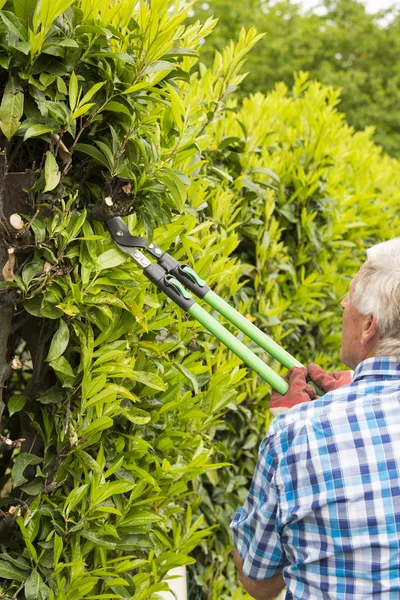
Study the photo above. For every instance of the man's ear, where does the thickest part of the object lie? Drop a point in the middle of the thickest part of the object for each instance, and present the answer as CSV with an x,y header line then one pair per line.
x,y
370,330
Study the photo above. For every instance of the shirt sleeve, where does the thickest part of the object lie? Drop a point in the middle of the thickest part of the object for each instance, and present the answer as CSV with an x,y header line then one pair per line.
x,y
255,525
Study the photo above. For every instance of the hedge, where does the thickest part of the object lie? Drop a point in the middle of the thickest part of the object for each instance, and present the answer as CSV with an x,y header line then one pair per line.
x,y
307,196
130,434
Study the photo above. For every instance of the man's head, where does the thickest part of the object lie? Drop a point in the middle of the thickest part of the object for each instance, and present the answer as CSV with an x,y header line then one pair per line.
x,y
371,317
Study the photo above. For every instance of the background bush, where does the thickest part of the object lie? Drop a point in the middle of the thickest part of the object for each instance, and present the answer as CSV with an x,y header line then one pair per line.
x,y
339,44
307,197
126,407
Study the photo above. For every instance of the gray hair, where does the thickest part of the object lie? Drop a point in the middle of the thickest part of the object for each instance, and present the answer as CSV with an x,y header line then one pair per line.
x,y
376,291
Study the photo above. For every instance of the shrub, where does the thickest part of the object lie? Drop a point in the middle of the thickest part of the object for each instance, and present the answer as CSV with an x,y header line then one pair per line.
x,y
112,390
306,195
117,395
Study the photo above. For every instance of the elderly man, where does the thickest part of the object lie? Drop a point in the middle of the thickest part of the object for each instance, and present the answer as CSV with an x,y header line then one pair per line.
x,y
323,512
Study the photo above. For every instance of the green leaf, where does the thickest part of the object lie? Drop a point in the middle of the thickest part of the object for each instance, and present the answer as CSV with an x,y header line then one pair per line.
x,y
61,365
15,24
178,108
21,462
30,271
97,539
74,497
36,130
9,571
136,87
62,88
94,30
16,403
81,110
23,8
137,416
11,108
59,342
111,258
73,91
58,548
98,425
188,375
150,379
51,172
93,152
53,395
158,66
122,391
176,188
143,518
95,88
58,110
112,489
267,172
118,107
127,58
39,229
17,561
35,588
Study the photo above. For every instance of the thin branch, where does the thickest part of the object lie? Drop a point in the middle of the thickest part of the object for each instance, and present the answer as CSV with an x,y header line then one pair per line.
x,y
15,596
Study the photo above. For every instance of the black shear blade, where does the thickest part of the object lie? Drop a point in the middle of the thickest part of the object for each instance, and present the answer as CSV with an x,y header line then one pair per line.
x,y
120,234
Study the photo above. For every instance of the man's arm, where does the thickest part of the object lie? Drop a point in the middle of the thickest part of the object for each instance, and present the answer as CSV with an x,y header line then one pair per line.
x,y
266,589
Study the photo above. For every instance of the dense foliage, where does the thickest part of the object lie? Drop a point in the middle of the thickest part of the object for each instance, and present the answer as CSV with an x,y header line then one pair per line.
x,y
112,390
306,196
119,408
342,45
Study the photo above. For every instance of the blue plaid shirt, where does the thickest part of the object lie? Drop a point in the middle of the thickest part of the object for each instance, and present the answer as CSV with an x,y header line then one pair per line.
x,y
324,503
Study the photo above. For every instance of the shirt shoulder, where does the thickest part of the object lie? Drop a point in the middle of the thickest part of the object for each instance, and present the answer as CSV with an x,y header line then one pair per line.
x,y
311,410
336,405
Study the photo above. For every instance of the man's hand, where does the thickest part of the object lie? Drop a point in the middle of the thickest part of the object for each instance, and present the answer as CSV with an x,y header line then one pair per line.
x,y
266,589
328,381
299,391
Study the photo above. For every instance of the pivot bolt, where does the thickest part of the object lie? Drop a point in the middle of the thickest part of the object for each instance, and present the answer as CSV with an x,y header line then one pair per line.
x,y
119,233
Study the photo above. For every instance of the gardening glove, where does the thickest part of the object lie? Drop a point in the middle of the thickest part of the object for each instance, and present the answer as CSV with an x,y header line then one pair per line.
x,y
328,381
299,391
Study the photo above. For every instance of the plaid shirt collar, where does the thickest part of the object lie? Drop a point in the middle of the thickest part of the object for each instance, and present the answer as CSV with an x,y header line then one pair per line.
x,y
378,367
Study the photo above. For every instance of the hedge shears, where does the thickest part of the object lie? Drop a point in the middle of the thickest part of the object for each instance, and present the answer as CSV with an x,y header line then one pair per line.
x,y
179,282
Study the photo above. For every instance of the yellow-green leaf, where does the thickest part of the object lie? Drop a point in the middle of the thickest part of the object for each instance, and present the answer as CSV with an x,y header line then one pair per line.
x,y
178,108
73,90
81,110
51,172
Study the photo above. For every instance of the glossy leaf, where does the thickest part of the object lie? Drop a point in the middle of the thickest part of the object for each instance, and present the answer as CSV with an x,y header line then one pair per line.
x,y
59,342
51,172
16,403
11,108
